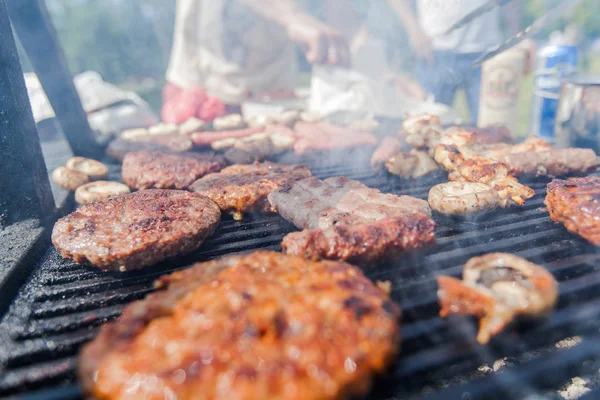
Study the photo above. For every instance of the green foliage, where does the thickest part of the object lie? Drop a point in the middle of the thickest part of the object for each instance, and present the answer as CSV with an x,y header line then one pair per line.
x,y
586,15
122,40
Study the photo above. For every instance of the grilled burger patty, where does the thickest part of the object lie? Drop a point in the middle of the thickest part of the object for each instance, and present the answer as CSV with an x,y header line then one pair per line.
x,y
136,230
258,326
167,170
244,188
118,148
576,203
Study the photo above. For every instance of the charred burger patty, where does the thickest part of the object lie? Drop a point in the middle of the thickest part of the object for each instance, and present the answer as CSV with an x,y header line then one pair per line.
x,y
167,170
136,230
258,326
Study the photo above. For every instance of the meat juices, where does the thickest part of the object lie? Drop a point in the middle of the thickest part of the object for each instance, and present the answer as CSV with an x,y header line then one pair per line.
x,y
167,170
576,203
350,221
258,326
136,230
240,189
496,288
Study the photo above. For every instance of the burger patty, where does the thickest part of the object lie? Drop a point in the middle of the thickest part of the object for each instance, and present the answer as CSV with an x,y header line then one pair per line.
x,y
347,220
576,203
167,170
136,230
258,326
244,188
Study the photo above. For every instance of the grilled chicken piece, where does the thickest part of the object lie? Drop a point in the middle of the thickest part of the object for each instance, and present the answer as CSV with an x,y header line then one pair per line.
x,y
462,163
576,203
258,326
414,164
496,288
386,149
350,221
460,198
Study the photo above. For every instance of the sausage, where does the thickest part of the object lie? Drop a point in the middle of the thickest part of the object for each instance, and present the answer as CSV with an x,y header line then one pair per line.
x,y
204,139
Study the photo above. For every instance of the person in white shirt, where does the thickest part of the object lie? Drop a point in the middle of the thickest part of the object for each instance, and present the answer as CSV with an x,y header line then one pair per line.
x,y
238,48
445,60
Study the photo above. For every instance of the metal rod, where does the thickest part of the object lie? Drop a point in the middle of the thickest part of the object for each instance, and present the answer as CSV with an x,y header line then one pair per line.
x,y
32,23
24,187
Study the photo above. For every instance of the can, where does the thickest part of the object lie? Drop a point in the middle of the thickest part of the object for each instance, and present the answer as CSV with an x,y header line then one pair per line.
x,y
554,64
578,114
501,79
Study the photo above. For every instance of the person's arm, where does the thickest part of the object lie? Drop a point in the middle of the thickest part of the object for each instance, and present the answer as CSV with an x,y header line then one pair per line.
x,y
321,43
419,41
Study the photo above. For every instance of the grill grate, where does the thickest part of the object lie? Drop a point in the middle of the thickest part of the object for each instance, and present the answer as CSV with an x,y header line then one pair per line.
x,y
63,304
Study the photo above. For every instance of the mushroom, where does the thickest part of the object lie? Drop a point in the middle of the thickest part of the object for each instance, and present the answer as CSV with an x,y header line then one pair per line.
x,y
164,129
69,179
460,198
92,168
99,190
228,122
259,121
496,288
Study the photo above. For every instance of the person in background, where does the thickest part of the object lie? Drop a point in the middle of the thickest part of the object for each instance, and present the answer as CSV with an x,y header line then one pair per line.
x,y
226,51
445,60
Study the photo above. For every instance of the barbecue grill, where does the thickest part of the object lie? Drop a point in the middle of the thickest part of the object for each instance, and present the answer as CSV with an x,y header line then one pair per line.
x,y
49,306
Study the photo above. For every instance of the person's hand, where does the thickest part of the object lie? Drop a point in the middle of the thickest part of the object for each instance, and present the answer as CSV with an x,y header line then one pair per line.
x,y
421,44
322,44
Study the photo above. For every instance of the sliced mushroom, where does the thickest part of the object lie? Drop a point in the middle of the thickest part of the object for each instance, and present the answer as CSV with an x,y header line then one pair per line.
x,y
192,125
92,168
496,288
99,190
461,198
164,129
228,122
69,179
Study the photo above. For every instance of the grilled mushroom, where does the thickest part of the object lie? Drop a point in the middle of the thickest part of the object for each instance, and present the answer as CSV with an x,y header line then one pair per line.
x,y
228,122
288,117
460,198
99,190
495,288
92,168
129,134
69,179
311,117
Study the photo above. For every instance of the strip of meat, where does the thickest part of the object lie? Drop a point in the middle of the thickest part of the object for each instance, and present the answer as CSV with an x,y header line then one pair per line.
x,y
312,203
362,243
204,139
386,149
554,162
259,326
576,203
321,136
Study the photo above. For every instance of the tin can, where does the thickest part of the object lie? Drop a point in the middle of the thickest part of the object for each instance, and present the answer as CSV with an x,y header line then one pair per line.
x,y
578,114
501,79
554,64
